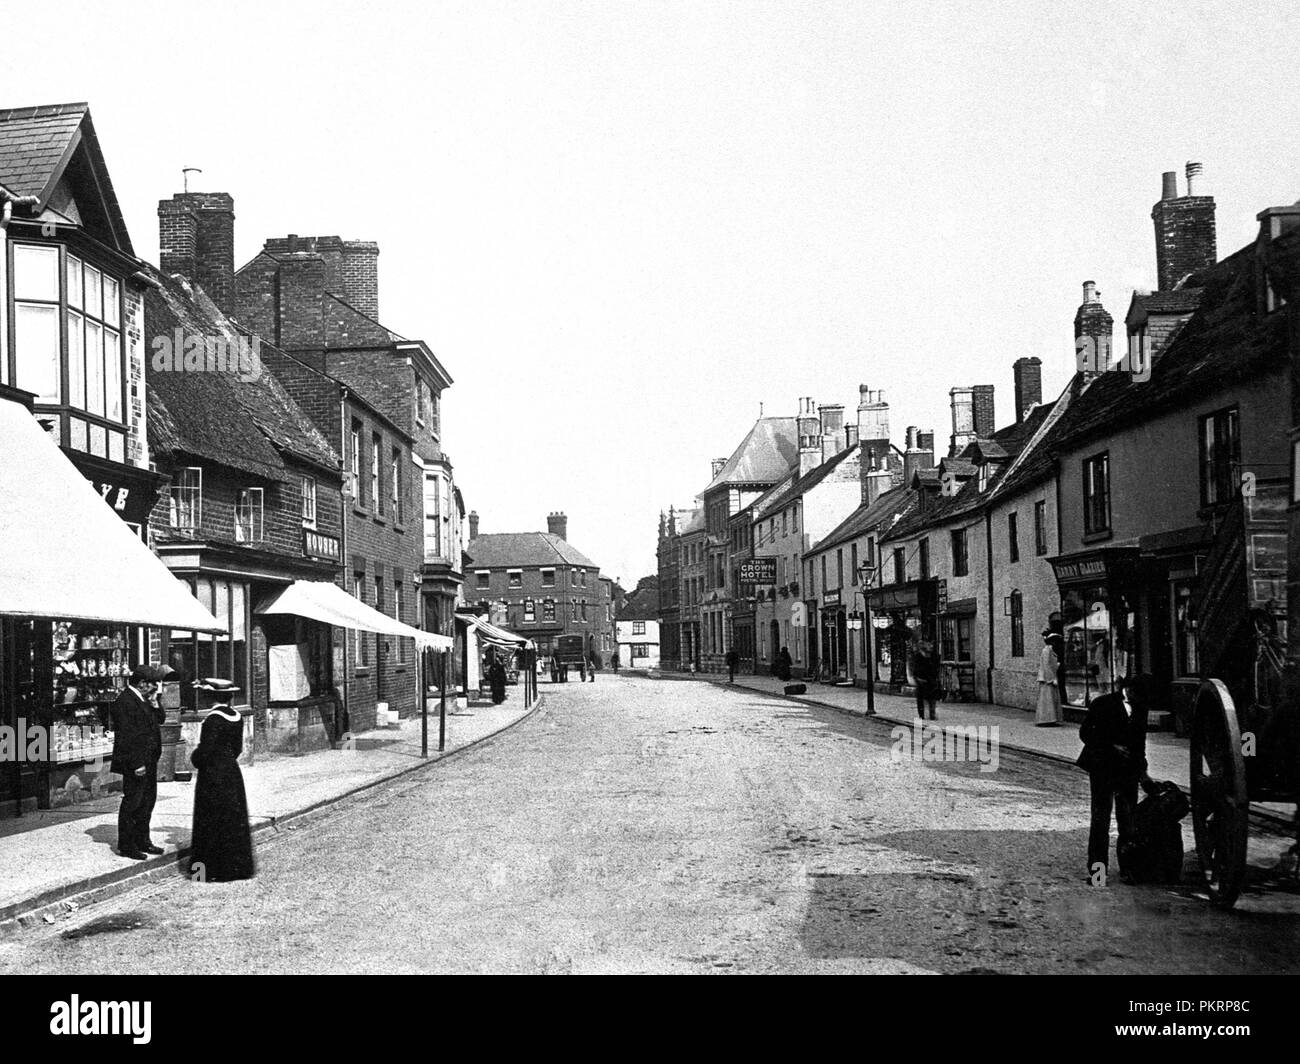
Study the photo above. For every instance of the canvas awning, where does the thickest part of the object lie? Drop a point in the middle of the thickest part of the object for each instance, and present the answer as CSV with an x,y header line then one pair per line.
x,y
320,600
65,553
490,633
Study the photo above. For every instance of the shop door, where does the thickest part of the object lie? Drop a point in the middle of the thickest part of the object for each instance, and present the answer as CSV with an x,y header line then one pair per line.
x,y
841,644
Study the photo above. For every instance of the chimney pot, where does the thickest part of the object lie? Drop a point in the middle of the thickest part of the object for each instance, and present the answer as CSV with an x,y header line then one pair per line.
x,y
1169,185
1090,293
558,525
1193,178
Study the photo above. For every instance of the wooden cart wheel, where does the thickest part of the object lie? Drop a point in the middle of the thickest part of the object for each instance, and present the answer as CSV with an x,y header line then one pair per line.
x,y
1220,808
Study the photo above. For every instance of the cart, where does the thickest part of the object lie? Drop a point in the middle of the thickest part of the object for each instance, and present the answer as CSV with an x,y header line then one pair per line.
x,y
1245,726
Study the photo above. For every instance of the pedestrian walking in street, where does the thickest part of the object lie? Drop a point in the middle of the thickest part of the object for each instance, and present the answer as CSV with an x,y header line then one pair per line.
x,y
733,660
1050,714
221,846
613,661
497,680
784,665
926,667
137,746
1114,736
593,663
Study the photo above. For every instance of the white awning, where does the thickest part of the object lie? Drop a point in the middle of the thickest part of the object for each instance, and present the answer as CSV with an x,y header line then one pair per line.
x,y
64,552
490,633
320,600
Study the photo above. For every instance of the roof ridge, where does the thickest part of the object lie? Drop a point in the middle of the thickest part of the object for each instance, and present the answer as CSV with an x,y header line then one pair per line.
x,y
44,110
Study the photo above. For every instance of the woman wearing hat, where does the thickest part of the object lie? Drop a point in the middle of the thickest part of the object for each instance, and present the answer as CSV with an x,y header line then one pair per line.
x,y
1049,713
221,847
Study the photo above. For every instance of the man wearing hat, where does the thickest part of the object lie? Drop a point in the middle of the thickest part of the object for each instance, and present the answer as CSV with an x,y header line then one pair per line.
x,y
137,746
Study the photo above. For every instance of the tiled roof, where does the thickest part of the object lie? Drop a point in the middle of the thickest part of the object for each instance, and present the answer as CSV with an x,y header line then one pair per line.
x,y
694,524
888,508
764,456
215,415
500,550
809,480
37,146
1173,301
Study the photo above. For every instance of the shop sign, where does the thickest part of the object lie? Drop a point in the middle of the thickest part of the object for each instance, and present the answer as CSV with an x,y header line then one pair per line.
x,y
130,491
320,545
1088,569
758,571
831,598
941,597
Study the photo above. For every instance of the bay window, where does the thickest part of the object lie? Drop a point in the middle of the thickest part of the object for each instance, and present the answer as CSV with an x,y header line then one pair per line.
x,y
68,347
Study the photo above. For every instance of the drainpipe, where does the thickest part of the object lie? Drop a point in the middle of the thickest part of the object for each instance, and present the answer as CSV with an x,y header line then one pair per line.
x,y
346,500
988,545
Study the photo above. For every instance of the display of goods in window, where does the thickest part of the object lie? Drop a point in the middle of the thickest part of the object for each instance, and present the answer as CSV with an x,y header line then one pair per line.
x,y
91,666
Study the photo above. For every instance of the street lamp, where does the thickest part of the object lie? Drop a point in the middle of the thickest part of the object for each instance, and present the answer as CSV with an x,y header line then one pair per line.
x,y
868,572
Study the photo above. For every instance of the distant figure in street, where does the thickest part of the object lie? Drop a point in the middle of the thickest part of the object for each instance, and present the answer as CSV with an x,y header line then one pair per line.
x,y
221,846
1114,736
784,665
593,663
137,746
613,661
925,665
733,660
497,680
1049,713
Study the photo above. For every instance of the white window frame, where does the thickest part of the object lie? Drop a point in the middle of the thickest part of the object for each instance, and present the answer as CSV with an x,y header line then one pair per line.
x,y
308,502
187,498
514,578
250,516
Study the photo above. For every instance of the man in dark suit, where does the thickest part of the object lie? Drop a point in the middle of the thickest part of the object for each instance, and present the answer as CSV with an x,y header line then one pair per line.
x,y
1114,736
137,746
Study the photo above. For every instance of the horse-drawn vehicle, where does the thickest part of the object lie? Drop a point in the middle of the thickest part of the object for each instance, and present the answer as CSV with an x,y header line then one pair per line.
x,y
570,652
1245,726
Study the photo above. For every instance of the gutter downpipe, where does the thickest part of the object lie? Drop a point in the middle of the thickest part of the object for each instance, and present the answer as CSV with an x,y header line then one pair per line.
x,y
988,544
344,516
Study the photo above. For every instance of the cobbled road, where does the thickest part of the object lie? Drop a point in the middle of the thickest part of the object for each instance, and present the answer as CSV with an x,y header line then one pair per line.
x,y
635,825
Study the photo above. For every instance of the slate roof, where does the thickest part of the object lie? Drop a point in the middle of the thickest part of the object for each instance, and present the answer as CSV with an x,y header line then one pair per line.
x,y
888,508
764,456
38,145
808,481
213,415
500,550
1173,301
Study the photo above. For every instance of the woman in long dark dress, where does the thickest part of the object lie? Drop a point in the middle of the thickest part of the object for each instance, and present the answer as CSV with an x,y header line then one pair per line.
x,y
497,680
221,848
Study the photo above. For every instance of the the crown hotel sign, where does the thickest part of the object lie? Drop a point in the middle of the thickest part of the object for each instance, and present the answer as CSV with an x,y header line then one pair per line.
x,y
758,571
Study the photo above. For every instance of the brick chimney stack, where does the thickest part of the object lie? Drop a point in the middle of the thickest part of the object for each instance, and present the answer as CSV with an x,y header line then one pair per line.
x,y
985,421
831,416
716,466
972,416
873,419
1093,332
916,457
557,525
1028,374
196,239
351,266
1185,229
473,524
873,466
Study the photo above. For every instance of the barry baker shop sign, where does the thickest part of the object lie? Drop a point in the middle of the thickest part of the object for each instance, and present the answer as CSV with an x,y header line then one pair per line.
x,y
758,571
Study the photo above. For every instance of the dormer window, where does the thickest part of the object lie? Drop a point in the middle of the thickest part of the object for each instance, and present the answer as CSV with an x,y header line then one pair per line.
x,y
68,348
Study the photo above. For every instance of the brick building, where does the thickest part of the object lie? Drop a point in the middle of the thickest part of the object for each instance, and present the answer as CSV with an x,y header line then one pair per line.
x,y
376,398
539,585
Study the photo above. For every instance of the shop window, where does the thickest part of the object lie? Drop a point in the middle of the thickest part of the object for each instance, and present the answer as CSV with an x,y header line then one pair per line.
x,y
548,578
530,610
1186,661
1220,454
515,577
1040,527
955,633
1100,642
548,610
186,510
960,555
308,502
197,655
1096,493
249,515
90,664
1013,538
924,557
1017,611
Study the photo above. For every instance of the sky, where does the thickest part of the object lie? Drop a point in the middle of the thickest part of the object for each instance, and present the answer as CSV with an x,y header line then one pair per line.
x,y
626,227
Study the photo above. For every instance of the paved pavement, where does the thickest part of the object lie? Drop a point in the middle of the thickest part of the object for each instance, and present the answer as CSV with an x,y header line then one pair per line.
x,y
50,855
643,826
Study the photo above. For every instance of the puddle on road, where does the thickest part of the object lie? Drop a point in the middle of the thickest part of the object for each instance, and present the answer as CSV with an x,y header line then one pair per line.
x,y
114,922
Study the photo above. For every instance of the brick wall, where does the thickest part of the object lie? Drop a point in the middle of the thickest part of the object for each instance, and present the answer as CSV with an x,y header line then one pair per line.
x,y
137,441
982,409
1185,237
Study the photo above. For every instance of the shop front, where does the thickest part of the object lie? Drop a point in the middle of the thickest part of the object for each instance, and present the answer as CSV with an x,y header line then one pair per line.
x,y
79,592
833,637
900,612
1098,620
956,627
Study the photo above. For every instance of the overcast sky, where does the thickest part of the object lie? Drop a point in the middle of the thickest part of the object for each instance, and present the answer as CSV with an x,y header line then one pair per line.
x,y
623,226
